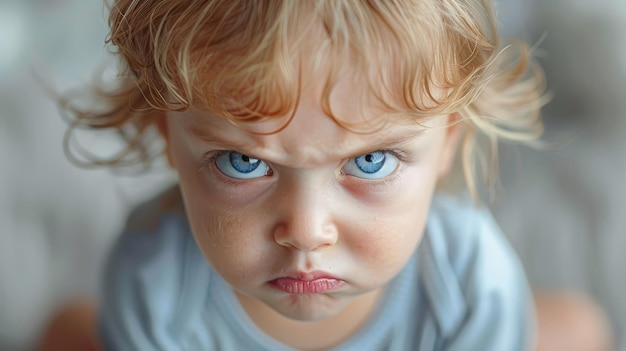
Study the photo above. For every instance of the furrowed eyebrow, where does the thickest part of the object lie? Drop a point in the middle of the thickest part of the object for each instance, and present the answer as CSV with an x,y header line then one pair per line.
x,y
212,139
394,141
385,142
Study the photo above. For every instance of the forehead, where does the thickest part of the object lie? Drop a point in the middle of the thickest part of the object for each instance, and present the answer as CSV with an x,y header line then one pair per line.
x,y
311,138
325,125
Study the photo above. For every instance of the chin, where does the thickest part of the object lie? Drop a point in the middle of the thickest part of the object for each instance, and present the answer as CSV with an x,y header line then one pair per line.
x,y
309,307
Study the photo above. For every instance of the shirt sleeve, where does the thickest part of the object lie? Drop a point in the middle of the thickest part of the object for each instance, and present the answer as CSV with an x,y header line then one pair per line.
x,y
141,288
481,296
500,314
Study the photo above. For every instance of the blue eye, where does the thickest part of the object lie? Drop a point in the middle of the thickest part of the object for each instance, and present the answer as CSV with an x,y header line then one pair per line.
x,y
373,165
239,166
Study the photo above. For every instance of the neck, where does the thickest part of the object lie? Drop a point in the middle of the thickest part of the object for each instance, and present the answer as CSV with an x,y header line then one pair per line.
x,y
311,335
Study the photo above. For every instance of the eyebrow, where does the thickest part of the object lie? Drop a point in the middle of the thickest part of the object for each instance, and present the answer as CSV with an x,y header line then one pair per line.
x,y
212,139
391,141
400,139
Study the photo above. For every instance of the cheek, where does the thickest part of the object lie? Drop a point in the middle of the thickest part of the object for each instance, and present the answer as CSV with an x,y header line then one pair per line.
x,y
394,237
391,230
231,240
384,249
231,237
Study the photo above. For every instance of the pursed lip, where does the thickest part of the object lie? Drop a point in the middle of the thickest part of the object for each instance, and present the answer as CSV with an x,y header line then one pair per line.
x,y
307,283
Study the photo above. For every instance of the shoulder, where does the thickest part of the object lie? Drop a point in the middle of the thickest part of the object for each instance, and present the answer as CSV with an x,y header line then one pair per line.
x,y
153,228
147,216
466,235
147,275
473,279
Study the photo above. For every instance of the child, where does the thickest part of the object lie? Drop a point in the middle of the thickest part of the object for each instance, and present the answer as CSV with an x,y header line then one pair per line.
x,y
311,139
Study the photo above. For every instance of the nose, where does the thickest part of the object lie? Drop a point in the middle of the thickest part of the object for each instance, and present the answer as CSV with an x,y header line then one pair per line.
x,y
304,235
305,221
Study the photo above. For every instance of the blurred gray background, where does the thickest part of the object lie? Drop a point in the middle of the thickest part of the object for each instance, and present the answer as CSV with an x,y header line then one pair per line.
x,y
563,209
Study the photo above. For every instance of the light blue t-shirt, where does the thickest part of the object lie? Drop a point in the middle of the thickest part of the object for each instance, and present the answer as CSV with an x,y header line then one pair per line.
x,y
462,290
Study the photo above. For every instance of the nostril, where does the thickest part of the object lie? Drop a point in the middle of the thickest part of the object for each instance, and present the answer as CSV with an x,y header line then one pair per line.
x,y
305,238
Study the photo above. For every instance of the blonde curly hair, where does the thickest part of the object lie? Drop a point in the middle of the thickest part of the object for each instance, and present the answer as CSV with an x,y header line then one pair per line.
x,y
242,61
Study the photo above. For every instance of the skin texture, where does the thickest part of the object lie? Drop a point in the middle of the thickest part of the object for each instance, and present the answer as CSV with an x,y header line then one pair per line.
x,y
309,211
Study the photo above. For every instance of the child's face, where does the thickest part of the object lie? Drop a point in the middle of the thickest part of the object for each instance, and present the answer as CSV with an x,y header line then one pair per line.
x,y
310,218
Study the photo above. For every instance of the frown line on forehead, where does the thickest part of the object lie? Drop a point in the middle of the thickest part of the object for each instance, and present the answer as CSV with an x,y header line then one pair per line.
x,y
352,145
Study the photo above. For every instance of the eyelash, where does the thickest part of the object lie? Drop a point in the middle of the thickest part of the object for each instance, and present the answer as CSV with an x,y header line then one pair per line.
x,y
382,183
399,154
209,158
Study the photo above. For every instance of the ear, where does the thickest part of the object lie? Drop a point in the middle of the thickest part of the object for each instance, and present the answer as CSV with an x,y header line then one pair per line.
x,y
454,131
161,124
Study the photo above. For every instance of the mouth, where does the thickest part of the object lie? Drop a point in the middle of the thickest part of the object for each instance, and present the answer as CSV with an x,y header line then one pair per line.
x,y
307,283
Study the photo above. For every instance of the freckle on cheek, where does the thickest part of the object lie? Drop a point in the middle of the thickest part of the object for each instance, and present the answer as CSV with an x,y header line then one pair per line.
x,y
221,229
